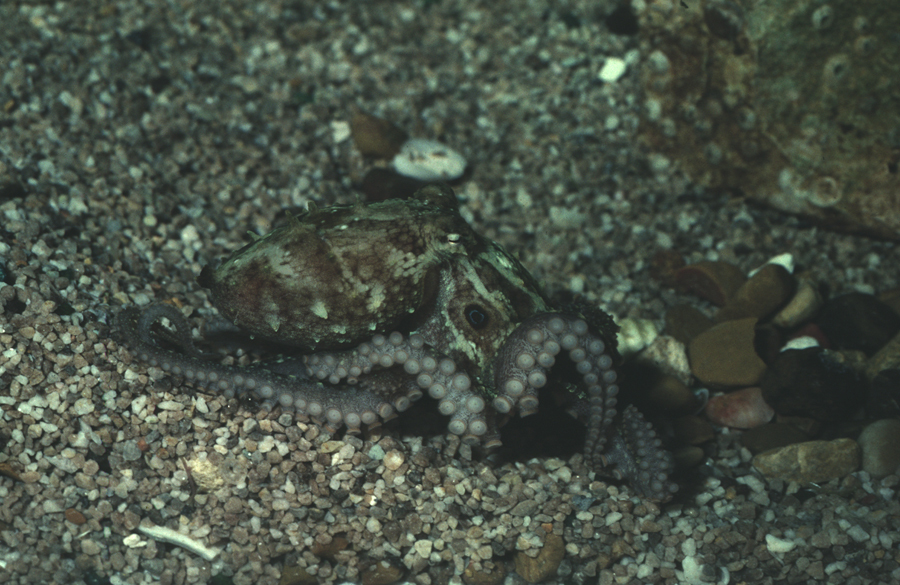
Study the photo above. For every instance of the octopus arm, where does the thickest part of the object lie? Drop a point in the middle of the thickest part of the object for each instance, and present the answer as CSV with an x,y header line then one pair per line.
x,y
284,382
635,454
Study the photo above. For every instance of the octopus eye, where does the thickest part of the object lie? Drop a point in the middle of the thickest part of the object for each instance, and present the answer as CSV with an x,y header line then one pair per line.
x,y
476,316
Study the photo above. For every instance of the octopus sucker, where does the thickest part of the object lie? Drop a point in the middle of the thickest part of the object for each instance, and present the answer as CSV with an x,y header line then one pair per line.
x,y
462,321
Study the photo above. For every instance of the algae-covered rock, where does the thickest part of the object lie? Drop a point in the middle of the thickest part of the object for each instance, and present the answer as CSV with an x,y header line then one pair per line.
x,y
792,102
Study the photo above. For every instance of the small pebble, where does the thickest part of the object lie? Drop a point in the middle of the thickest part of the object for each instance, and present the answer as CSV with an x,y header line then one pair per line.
x,y
428,160
880,444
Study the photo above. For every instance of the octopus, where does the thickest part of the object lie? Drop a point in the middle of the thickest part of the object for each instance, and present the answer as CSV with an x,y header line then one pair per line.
x,y
377,304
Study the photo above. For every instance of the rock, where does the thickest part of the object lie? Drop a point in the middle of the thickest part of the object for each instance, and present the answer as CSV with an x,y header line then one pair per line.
x,y
381,184
715,82
634,335
884,394
382,573
772,436
713,281
688,457
763,293
693,430
428,160
887,358
294,575
724,355
810,462
814,382
802,306
667,396
374,136
880,445
544,565
684,323
741,409
668,355
495,576
858,321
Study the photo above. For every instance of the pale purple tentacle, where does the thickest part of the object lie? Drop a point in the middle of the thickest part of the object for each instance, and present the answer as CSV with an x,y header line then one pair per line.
x,y
283,383
433,372
635,454
520,370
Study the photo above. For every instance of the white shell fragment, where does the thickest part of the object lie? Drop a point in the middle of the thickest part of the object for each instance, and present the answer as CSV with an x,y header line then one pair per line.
x,y
184,541
428,160
635,334
785,260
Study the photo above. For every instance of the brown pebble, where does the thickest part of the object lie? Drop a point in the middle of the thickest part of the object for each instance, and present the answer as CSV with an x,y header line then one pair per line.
x,y
741,409
805,302
8,470
494,576
544,565
393,459
685,322
772,436
75,517
328,550
374,136
724,355
810,462
762,294
381,573
657,393
693,430
713,281
296,576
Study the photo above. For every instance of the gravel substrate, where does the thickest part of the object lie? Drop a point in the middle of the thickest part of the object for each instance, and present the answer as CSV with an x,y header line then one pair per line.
x,y
140,141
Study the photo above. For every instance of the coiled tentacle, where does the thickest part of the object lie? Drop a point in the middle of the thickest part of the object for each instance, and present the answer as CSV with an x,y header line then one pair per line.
x,y
635,454
521,366
433,372
283,382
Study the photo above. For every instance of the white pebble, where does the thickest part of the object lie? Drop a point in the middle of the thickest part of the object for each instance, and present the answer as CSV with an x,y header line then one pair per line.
x,y
612,70
779,545
785,260
635,334
423,547
428,160
801,343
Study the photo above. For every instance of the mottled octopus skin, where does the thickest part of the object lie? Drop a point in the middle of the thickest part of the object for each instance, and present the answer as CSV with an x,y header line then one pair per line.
x,y
388,300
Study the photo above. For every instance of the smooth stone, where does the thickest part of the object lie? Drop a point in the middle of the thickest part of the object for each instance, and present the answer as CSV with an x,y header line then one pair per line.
x,y
688,457
382,573
724,355
494,576
374,136
714,281
685,322
762,294
884,395
802,306
665,395
772,436
428,160
886,358
381,184
741,409
545,564
815,382
858,321
693,430
810,462
880,445
670,356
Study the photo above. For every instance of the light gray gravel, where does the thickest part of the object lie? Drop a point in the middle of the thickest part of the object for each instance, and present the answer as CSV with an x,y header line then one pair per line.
x,y
141,140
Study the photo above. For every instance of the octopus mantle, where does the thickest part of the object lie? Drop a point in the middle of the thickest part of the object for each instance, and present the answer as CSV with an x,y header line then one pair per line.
x,y
385,301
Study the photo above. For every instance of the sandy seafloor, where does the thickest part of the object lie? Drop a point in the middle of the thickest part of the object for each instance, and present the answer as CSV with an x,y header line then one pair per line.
x,y
141,140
